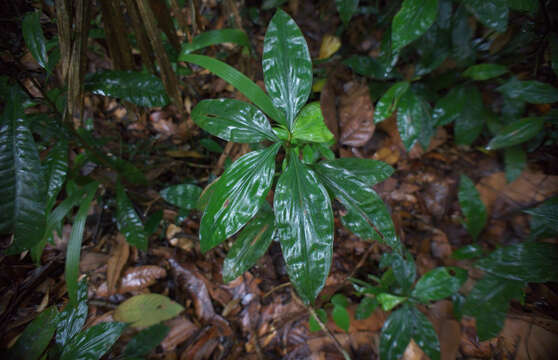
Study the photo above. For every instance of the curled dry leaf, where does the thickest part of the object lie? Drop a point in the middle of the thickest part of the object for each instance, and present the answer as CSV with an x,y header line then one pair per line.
x,y
181,329
117,262
140,277
356,115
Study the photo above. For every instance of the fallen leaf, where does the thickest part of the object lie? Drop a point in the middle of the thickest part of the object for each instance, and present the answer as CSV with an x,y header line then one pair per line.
x,y
116,262
140,277
330,45
145,310
356,115
181,329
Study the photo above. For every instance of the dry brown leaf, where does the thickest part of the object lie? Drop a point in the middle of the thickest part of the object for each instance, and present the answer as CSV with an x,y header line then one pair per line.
x,y
181,329
329,109
489,189
140,277
356,115
414,352
92,260
116,263
527,340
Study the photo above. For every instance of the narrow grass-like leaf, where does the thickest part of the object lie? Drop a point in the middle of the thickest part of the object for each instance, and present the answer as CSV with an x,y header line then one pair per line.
x,y
215,37
129,223
472,206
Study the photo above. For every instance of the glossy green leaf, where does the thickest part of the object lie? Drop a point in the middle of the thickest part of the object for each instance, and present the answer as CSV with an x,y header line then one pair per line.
x,y
515,159
237,196
411,21
56,165
488,302
439,283
233,120
450,107
533,92
36,336
544,219
214,37
250,244
309,125
304,221
481,72
140,88
366,308
94,342
470,122
366,215
389,301
72,319
368,171
314,325
287,66
424,334
529,262
368,66
22,185
516,133
404,270
414,121
461,38
128,221
468,252
73,251
389,101
346,9
472,206
146,340
144,310
34,37
341,317
184,196
246,86
493,14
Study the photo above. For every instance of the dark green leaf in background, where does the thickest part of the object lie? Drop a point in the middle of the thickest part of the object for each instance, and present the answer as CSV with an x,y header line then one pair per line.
x,y
34,37
287,66
439,283
237,196
140,88
529,262
184,196
346,9
369,67
129,223
404,270
472,206
523,5
56,165
389,101
146,340
515,159
468,252
36,336
493,13
554,52
214,37
304,222
366,308
450,107
544,219
22,183
532,91
461,38
94,342
250,245
411,21
368,171
233,120
310,126
516,133
470,121
485,71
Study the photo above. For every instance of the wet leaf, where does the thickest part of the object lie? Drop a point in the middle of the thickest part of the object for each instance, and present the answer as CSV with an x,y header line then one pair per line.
x,y
389,301
304,222
389,101
472,206
117,261
94,342
404,270
56,165
439,283
314,325
140,277
34,38
214,37
367,216
515,159
341,317
528,262
233,120
370,172
368,66
414,121
493,14
534,92
481,72
309,125
544,219
72,319
450,107
346,9
184,196
237,196
22,185
250,244
468,252
470,122
139,88
128,221
516,133
366,308
411,21
144,310
287,66
356,116
36,336
146,340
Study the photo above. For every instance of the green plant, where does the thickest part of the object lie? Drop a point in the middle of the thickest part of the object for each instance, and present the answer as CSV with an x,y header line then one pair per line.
x,y
302,217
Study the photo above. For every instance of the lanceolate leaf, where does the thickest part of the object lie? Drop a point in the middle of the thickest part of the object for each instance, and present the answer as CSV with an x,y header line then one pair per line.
x,y
368,171
129,223
485,71
233,120
36,336
534,92
414,120
411,21
472,207
309,125
529,262
56,170
94,342
143,89
237,196
184,196
493,14
439,283
22,184
287,66
215,37
34,37
544,219
470,122
246,86
304,221
72,319
366,215
516,133
346,9
388,102
250,244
